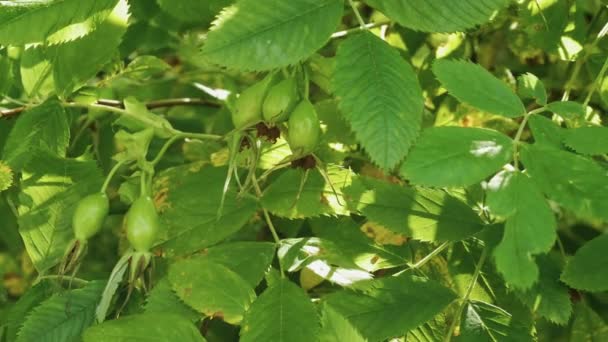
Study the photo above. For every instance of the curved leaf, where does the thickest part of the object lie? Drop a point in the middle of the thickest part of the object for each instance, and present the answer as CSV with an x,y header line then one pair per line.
x,y
379,96
439,15
264,35
586,270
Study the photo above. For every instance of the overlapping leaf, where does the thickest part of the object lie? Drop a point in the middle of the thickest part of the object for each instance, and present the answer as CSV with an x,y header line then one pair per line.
x,y
486,322
587,140
63,317
475,86
575,182
585,270
439,15
24,22
145,327
423,214
190,215
263,35
456,156
283,313
379,96
62,68
44,128
336,328
211,289
163,300
50,190
190,11
530,227
391,306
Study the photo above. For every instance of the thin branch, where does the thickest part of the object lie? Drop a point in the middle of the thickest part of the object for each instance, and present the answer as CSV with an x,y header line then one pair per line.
x,y
8,113
345,33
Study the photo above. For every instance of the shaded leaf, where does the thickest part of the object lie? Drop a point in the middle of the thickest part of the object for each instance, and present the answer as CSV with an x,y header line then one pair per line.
x,y
586,269
588,326
190,215
423,214
408,300
485,322
336,328
529,86
163,300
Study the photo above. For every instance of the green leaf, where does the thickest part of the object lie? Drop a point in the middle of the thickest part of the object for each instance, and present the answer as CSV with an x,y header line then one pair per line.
x,y
211,289
17,314
336,328
61,68
546,132
379,96
190,215
143,68
439,15
587,140
567,109
283,313
575,182
70,70
530,87
24,22
389,307
137,117
250,260
145,327
586,269
285,198
477,87
485,322
163,300
588,326
6,176
63,317
530,227
423,214
42,128
351,243
456,156
321,257
50,190
193,11
549,298
254,35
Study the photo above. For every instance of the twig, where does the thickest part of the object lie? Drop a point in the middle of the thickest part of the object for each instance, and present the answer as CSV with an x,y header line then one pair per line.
x,y
345,33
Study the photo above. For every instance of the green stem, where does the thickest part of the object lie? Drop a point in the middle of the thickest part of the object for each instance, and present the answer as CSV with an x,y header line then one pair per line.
x,y
78,281
520,132
113,171
345,33
271,227
358,15
465,299
164,149
431,255
596,83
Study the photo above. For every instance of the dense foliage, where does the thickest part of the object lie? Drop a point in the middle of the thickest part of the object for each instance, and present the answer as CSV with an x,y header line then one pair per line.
x,y
303,170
